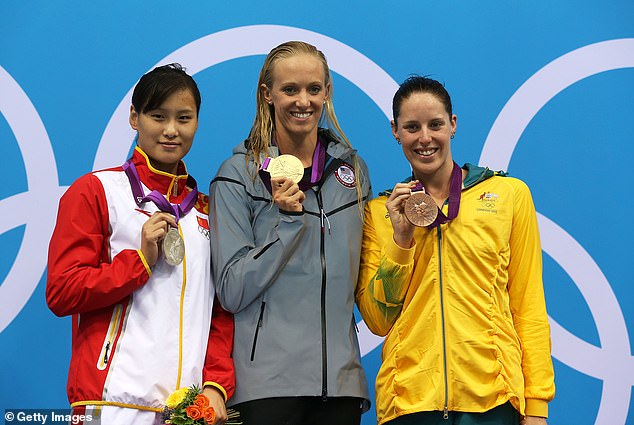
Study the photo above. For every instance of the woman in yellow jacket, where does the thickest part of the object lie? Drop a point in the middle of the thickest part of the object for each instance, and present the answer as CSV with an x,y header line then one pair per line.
x,y
460,298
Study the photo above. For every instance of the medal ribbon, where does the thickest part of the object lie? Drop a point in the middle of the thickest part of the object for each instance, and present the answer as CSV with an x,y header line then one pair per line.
x,y
178,210
319,160
455,188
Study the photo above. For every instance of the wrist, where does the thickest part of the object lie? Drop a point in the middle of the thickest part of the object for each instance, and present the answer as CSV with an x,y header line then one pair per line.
x,y
216,388
404,241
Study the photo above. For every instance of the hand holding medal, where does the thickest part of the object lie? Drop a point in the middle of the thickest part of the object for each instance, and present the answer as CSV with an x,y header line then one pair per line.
x,y
173,244
154,234
395,205
420,208
286,172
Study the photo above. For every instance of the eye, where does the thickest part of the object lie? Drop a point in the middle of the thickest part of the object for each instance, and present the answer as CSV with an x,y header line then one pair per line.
x,y
289,90
411,128
185,118
436,125
157,116
314,90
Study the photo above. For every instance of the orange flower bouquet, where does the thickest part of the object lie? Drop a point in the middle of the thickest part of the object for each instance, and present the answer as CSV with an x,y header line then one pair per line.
x,y
189,406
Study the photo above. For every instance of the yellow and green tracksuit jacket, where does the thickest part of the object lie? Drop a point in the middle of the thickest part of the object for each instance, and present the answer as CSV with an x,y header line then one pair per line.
x,y
463,310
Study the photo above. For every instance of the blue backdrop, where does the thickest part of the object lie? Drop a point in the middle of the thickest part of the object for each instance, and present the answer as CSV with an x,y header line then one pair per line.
x,y
543,89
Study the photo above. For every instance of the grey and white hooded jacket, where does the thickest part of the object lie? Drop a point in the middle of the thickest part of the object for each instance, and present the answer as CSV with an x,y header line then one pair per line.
x,y
290,278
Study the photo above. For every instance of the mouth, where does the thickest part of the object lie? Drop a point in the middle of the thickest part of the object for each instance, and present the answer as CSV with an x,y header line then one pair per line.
x,y
301,115
425,152
169,145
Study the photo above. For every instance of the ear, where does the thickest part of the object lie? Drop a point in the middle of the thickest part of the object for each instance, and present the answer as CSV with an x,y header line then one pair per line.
x,y
134,118
394,129
454,124
327,92
266,93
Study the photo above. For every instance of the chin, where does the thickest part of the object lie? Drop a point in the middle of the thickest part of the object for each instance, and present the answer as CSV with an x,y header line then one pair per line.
x,y
426,169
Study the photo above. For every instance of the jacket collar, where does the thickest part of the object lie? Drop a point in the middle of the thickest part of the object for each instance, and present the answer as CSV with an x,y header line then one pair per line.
x,y
171,185
475,175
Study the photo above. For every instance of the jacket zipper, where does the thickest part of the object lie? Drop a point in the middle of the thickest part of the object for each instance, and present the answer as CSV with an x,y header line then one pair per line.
x,y
257,329
322,253
444,334
106,349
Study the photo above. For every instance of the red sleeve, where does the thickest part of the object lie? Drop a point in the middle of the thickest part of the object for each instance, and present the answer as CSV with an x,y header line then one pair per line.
x,y
81,276
219,371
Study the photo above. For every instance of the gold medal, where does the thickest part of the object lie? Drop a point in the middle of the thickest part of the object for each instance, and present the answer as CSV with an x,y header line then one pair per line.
x,y
421,209
288,166
173,247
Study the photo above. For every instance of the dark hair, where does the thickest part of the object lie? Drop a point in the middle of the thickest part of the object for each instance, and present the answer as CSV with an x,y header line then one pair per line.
x,y
418,84
159,84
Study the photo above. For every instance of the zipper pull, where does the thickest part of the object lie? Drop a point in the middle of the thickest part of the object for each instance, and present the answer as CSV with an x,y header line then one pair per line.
x,y
324,219
105,354
445,413
175,187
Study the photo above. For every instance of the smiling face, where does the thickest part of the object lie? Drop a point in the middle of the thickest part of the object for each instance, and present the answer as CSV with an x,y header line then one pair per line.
x,y
297,93
424,130
166,133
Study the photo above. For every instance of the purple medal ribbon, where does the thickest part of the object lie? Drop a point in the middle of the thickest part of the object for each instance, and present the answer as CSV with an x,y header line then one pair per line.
x,y
319,160
455,188
178,210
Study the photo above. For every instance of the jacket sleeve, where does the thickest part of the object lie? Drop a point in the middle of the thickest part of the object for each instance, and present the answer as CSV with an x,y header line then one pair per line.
x,y
385,271
528,305
219,370
81,276
243,268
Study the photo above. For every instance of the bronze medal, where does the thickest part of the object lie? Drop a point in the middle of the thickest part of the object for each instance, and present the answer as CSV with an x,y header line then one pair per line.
x,y
173,247
420,209
288,166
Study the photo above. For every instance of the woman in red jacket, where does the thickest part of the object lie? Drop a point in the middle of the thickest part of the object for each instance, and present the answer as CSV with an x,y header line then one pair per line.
x,y
129,260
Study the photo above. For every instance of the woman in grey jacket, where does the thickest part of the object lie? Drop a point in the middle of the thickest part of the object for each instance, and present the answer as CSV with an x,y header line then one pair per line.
x,y
285,255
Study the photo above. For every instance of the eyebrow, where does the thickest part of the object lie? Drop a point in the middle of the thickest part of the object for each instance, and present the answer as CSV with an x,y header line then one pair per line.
x,y
295,83
180,111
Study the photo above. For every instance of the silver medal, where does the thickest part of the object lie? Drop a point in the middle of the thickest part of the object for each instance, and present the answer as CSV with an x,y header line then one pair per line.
x,y
173,247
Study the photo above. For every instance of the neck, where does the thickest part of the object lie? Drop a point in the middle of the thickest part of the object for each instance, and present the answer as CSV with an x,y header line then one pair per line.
x,y
438,184
300,147
166,168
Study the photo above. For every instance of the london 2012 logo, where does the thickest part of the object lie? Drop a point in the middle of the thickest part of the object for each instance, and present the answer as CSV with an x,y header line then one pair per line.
x,y
609,362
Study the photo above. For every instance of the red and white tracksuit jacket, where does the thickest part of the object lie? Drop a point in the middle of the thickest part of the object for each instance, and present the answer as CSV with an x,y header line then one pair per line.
x,y
139,333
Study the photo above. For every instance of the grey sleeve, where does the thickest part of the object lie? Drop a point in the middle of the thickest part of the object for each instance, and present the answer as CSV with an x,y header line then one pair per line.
x,y
244,268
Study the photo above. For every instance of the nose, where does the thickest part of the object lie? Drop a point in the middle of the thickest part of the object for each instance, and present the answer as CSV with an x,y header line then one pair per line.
x,y
170,130
424,136
302,98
